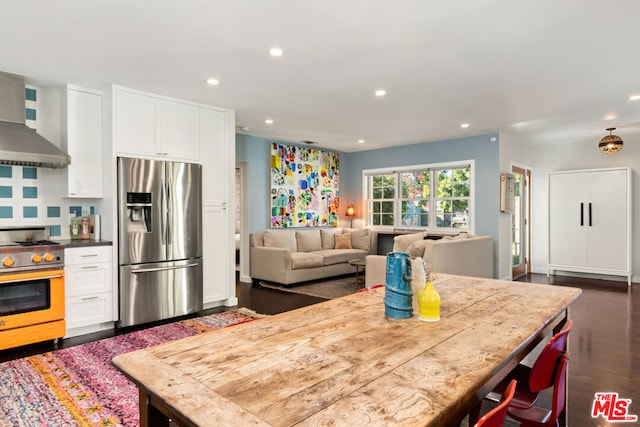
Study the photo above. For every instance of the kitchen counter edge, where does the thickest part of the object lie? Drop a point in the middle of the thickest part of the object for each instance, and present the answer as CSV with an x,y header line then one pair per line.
x,y
83,243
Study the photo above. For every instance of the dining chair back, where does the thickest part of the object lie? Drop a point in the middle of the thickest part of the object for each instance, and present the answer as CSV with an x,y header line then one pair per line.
x,y
541,374
536,416
531,381
496,416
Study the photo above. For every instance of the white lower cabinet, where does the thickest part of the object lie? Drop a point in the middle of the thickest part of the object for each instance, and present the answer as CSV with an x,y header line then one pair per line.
x,y
88,275
218,281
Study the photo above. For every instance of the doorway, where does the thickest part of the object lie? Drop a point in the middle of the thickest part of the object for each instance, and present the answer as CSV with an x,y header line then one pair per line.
x,y
242,221
520,223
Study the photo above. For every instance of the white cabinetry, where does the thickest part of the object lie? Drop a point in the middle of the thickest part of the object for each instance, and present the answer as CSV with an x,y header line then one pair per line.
x,y
590,221
88,289
215,255
82,130
218,168
155,127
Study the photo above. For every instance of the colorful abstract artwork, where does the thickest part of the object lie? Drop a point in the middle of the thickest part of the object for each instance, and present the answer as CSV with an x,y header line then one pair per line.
x,y
304,187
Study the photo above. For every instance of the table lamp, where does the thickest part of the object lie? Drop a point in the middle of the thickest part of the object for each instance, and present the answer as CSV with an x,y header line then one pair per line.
x,y
351,212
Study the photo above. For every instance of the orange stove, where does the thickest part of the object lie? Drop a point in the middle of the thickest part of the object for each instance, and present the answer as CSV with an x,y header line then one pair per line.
x,y
31,293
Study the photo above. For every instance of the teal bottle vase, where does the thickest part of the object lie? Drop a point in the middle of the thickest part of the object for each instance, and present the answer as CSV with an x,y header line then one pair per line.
x,y
397,285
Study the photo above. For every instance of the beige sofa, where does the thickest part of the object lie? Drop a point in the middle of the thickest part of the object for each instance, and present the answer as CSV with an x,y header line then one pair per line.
x,y
463,255
292,256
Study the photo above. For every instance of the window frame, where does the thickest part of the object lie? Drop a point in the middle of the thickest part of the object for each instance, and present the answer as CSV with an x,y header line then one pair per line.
x,y
432,227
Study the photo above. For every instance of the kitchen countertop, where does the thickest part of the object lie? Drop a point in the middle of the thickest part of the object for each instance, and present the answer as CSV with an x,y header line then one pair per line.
x,y
82,243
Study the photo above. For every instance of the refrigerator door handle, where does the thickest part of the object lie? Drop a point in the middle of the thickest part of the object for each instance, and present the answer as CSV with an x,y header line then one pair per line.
x,y
163,209
175,267
169,212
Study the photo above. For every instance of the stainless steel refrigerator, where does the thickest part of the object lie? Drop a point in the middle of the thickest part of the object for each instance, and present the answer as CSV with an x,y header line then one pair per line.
x,y
160,239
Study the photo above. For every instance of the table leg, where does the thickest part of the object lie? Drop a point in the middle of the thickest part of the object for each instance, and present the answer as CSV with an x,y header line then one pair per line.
x,y
149,414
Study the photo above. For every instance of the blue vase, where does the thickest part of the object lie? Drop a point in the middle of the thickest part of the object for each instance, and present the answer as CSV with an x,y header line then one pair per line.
x,y
397,284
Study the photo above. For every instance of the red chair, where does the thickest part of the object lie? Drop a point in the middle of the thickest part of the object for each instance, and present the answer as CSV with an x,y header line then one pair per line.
x,y
531,381
369,288
495,417
535,416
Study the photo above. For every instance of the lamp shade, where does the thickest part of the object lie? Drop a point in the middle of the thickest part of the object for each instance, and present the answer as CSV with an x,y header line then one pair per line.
x,y
610,144
351,211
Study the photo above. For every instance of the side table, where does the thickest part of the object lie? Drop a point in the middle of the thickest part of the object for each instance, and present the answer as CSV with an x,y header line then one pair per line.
x,y
358,264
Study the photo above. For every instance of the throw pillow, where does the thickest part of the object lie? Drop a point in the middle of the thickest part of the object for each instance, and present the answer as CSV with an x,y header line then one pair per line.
x,y
343,241
285,239
417,248
327,236
360,238
308,240
401,243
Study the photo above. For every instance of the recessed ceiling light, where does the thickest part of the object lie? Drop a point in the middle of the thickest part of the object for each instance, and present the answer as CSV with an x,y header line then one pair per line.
x,y
269,121
634,98
276,51
464,125
361,141
381,92
610,116
213,82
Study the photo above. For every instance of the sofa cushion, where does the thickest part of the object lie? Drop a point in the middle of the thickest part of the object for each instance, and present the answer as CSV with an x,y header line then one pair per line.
x,y
343,241
308,240
401,243
337,256
301,260
360,238
327,237
285,239
460,236
417,248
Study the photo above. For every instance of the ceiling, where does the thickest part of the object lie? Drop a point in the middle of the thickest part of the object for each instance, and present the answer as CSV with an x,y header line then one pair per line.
x,y
545,71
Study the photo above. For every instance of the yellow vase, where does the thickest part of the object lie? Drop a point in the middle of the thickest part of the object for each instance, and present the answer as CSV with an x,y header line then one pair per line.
x,y
429,304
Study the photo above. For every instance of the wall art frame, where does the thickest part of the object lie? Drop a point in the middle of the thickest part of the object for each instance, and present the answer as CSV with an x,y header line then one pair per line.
x,y
304,187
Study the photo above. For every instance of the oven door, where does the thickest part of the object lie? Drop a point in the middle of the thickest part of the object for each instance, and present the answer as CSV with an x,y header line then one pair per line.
x,y
31,298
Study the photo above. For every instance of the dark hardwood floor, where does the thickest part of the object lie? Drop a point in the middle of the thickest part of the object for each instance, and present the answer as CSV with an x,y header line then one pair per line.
x,y
604,343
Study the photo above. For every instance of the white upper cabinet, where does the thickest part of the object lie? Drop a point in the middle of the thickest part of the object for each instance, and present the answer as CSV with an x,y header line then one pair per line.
x,y
83,130
155,127
214,148
179,136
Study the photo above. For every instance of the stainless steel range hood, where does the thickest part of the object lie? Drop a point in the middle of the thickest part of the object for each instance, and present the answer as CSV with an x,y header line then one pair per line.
x,y
20,145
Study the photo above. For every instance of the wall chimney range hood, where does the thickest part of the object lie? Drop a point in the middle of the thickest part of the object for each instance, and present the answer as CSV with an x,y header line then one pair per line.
x,y
20,145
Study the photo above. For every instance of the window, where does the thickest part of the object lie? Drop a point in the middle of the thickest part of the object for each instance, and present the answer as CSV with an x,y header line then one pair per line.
x,y
427,196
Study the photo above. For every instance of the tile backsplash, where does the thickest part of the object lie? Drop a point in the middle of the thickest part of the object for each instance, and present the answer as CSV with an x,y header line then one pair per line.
x,y
35,196
24,201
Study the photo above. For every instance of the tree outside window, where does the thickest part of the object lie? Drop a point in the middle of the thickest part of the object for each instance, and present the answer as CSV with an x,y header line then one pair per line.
x,y
382,194
426,198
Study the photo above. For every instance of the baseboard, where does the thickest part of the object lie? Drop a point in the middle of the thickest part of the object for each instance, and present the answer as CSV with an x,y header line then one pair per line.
x,y
246,279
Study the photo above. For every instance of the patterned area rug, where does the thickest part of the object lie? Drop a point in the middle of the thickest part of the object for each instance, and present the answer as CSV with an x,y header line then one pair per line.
x,y
77,386
327,289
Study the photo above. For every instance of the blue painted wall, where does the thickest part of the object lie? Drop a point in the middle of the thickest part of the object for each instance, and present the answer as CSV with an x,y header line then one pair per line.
x,y
478,148
485,153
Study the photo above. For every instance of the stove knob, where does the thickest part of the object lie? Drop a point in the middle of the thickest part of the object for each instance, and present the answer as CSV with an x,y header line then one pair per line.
x,y
8,261
49,257
36,258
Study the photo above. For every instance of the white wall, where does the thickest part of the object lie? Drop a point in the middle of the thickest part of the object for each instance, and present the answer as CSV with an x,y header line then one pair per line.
x,y
571,156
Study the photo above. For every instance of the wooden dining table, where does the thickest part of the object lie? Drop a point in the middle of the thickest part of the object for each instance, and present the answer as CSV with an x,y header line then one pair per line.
x,y
342,362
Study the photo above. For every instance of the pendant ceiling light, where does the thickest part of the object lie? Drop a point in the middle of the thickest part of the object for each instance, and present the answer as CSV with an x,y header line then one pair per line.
x,y
610,144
